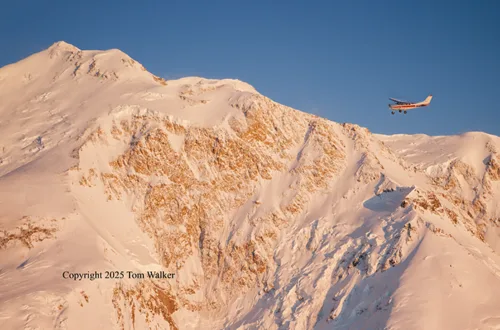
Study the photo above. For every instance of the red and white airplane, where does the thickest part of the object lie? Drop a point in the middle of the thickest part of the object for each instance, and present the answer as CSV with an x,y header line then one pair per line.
x,y
404,105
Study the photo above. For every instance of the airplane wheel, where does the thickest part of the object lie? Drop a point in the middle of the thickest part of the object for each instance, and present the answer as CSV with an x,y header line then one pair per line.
x,y
405,112
399,111
392,112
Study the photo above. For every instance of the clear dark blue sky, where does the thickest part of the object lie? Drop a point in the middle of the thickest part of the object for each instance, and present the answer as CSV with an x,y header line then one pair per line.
x,y
337,59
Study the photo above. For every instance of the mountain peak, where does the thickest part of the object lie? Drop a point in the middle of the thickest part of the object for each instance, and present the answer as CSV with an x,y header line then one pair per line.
x,y
62,46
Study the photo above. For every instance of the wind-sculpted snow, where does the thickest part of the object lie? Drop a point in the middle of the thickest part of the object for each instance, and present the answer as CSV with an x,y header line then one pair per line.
x,y
215,207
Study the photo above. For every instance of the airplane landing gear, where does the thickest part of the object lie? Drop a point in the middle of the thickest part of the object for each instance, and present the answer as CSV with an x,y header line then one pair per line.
x,y
392,112
399,111
405,112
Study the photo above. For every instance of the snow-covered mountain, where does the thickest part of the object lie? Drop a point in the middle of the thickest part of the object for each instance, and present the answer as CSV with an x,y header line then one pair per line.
x,y
252,215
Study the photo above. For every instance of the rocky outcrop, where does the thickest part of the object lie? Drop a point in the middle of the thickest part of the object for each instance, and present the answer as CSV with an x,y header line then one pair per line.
x,y
28,233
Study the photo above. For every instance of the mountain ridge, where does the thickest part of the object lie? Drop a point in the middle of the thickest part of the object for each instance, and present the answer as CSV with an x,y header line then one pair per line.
x,y
267,216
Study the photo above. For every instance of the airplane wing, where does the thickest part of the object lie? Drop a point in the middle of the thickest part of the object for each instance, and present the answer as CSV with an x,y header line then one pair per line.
x,y
399,101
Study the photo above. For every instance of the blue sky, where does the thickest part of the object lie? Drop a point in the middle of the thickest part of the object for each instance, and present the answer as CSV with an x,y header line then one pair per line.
x,y
337,59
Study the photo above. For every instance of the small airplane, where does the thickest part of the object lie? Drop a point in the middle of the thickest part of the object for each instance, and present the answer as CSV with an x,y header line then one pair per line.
x,y
405,105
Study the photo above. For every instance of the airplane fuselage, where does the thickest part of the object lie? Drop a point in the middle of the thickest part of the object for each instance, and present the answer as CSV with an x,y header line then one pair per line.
x,y
403,106
406,106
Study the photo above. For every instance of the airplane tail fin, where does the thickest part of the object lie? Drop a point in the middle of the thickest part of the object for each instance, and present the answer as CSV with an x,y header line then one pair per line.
x,y
428,99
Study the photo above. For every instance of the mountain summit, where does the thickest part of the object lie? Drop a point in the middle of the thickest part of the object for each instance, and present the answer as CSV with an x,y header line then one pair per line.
x,y
128,201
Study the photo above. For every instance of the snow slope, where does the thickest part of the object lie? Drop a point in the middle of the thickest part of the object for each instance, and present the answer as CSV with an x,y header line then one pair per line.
x,y
259,216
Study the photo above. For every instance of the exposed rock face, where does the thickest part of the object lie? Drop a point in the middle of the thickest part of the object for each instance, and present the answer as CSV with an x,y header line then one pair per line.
x,y
493,167
186,191
28,233
216,207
